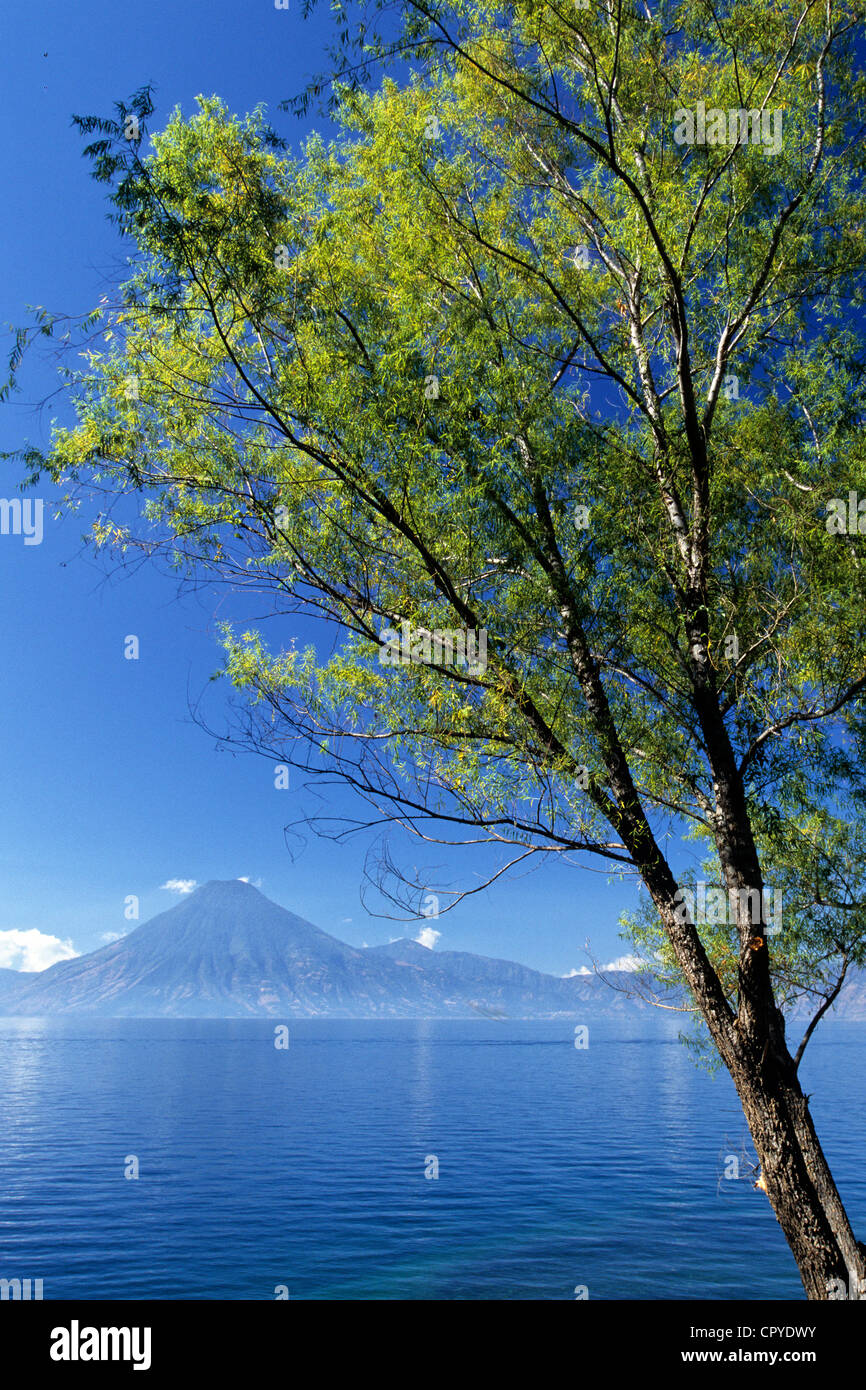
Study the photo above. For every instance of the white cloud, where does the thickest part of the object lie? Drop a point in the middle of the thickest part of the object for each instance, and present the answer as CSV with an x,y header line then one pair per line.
x,y
178,885
621,963
109,936
428,936
245,878
624,963
33,950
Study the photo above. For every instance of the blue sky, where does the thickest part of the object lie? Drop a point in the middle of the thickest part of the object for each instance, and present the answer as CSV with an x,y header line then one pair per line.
x,y
109,787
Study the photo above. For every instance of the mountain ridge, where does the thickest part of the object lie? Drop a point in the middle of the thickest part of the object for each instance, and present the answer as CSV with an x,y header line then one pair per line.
x,y
227,951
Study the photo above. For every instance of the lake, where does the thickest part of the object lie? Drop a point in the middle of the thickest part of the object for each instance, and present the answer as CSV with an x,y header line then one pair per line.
x,y
303,1168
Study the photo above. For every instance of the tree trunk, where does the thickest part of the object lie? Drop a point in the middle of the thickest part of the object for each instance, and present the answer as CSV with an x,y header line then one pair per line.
x,y
797,1180
794,1171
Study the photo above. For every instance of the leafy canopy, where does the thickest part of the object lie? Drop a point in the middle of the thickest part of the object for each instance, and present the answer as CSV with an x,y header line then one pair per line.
x,y
505,355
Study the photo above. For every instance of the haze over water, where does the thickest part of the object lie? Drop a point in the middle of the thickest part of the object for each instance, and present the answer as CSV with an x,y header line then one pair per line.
x,y
305,1167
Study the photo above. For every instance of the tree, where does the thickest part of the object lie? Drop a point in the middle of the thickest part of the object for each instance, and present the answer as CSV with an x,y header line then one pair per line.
x,y
545,376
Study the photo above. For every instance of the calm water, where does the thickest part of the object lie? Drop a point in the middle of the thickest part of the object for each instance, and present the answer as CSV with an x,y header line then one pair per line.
x,y
305,1167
